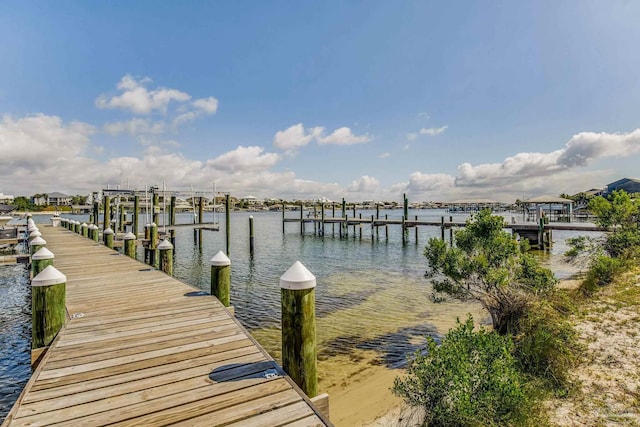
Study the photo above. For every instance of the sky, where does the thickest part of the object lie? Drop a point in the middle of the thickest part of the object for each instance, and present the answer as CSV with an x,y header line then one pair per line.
x,y
364,100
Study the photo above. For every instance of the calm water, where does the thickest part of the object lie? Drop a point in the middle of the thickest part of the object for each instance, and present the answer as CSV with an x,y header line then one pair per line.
x,y
373,303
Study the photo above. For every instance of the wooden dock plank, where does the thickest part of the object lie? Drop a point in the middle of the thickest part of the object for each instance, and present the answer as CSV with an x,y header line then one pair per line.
x,y
138,349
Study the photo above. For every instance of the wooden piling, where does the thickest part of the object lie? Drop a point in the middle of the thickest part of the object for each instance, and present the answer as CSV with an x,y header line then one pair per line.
x,y
386,227
165,251
108,236
221,278
135,225
227,222
155,207
36,244
96,213
359,228
442,228
404,230
122,219
405,206
106,221
172,210
322,220
252,238
153,245
416,228
84,230
283,213
299,353
40,260
130,245
301,218
48,310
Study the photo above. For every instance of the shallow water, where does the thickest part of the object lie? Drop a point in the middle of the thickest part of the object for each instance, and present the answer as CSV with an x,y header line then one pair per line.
x,y
373,303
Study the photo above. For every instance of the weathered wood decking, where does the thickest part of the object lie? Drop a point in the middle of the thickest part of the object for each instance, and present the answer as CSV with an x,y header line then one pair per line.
x,y
141,348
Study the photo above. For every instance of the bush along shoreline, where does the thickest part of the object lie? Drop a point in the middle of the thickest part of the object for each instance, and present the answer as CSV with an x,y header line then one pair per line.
x,y
508,375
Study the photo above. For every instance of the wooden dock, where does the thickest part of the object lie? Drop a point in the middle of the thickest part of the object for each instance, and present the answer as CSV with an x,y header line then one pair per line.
x,y
142,348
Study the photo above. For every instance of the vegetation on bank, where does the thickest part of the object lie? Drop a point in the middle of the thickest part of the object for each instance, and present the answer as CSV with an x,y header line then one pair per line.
x,y
503,376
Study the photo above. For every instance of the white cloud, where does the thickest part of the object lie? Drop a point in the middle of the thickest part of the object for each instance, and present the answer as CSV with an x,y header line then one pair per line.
x,y
384,155
294,137
433,131
412,136
247,159
134,127
40,140
138,99
364,184
207,105
343,136
421,183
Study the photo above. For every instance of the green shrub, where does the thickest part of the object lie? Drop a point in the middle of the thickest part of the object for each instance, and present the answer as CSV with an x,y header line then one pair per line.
x,y
471,379
603,271
546,346
623,244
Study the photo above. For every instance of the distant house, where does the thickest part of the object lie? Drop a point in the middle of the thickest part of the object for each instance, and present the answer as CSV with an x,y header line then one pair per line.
x,y
630,185
6,198
51,199
250,200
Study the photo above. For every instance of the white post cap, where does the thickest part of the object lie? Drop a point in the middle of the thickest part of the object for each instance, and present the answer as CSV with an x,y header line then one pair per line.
x,y
129,236
42,253
250,216
35,233
29,215
147,225
48,277
31,228
84,224
93,227
108,231
297,277
165,245
153,224
220,260
38,241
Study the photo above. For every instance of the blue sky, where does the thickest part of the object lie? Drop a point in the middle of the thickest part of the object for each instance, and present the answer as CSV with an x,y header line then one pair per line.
x,y
363,100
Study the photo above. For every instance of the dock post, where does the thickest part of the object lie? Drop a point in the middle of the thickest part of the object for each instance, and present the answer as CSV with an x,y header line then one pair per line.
x,y
405,205
172,210
404,230
93,232
136,215
315,215
252,238
130,245
386,227
96,213
541,233
221,278
450,231
123,219
106,222
40,260
91,218
153,245
172,237
147,237
283,217
155,207
108,237
299,353
301,218
377,215
322,219
36,244
165,250
372,226
48,310
354,217
227,222
442,228
416,227
333,215
359,227
84,229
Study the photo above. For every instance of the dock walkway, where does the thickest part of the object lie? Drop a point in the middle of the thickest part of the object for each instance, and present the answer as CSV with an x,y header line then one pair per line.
x,y
142,348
